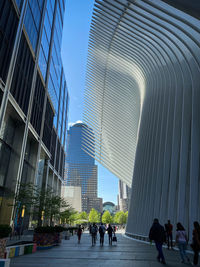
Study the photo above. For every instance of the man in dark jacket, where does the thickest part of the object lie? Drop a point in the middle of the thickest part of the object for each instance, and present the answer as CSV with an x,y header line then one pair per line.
x,y
110,231
157,233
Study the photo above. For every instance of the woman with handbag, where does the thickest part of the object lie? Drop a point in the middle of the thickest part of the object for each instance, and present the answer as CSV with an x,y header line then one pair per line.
x,y
196,242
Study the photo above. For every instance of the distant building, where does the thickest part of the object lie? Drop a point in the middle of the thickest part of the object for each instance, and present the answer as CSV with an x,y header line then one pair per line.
x,y
80,167
110,207
124,196
96,203
72,194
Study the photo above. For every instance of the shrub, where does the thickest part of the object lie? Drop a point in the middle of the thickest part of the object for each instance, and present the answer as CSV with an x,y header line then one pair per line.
x,y
5,230
49,229
44,229
59,229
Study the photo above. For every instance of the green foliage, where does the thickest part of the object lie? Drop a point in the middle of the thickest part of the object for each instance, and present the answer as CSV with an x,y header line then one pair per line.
x,y
106,217
94,216
82,218
120,217
5,230
65,216
27,197
126,214
83,215
39,202
49,229
73,217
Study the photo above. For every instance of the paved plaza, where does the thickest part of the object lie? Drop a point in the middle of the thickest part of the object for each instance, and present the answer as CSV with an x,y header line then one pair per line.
x,y
126,253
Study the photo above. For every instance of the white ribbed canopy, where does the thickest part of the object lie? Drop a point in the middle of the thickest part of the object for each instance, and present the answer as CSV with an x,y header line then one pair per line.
x,y
142,101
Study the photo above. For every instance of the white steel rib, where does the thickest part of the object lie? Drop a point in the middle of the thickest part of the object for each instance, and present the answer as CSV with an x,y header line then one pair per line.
x,y
142,103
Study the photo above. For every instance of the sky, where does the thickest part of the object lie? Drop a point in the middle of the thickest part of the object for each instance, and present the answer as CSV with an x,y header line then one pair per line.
x,y
74,55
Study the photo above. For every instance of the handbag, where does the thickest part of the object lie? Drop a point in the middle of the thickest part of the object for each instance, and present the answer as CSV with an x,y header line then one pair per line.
x,y
114,239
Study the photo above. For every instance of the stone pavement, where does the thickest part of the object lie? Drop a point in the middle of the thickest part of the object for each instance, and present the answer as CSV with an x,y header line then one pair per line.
x,y
127,253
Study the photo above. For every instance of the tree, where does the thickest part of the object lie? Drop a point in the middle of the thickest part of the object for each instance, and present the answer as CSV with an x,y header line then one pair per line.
x,y
94,216
126,215
106,217
73,217
82,218
25,198
41,203
65,215
120,217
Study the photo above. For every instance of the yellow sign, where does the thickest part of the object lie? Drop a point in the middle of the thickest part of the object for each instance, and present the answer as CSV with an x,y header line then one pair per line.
x,y
42,217
23,211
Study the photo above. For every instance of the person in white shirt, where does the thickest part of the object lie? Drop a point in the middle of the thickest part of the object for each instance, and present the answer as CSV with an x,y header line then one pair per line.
x,y
182,241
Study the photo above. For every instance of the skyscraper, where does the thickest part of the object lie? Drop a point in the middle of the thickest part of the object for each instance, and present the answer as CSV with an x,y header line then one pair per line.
x,y
124,196
80,167
33,97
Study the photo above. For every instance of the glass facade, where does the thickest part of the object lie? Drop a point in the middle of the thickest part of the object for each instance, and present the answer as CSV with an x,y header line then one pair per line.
x,y
80,167
33,129
32,20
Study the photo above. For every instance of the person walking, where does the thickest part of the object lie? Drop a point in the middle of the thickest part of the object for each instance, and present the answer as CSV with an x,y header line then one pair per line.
x,y
196,242
182,241
102,231
79,233
169,230
157,233
94,230
110,231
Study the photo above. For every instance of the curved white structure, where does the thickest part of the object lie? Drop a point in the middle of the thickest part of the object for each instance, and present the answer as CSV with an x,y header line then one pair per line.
x,y
142,101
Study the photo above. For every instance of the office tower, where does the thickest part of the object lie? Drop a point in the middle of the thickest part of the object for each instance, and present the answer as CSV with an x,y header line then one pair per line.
x,y
124,196
34,98
142,103
72,195
80,167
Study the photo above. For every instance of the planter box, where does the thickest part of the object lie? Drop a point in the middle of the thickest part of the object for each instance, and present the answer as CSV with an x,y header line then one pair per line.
x,y
4,262
19,250
47,239
3,242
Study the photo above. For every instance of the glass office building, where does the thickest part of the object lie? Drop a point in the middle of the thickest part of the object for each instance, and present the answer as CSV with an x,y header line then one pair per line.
x,y
124,196
80,167
33,97
142,103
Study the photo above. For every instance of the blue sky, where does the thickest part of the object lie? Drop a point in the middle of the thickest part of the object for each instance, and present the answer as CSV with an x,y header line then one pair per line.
x,y
74,54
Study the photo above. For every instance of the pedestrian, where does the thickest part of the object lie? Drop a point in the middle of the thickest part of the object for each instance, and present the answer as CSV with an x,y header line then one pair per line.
x,y
169,230
110,231
90,227
94,233
182,241
196,242
157,233
79,233
102,231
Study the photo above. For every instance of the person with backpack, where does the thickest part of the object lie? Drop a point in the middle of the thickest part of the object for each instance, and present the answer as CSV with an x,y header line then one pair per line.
x,y
181,241
110,231
196,242
102,231
157,233
94,231
79,233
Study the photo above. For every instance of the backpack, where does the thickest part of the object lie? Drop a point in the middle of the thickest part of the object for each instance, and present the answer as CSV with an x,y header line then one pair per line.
x,y
93,230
